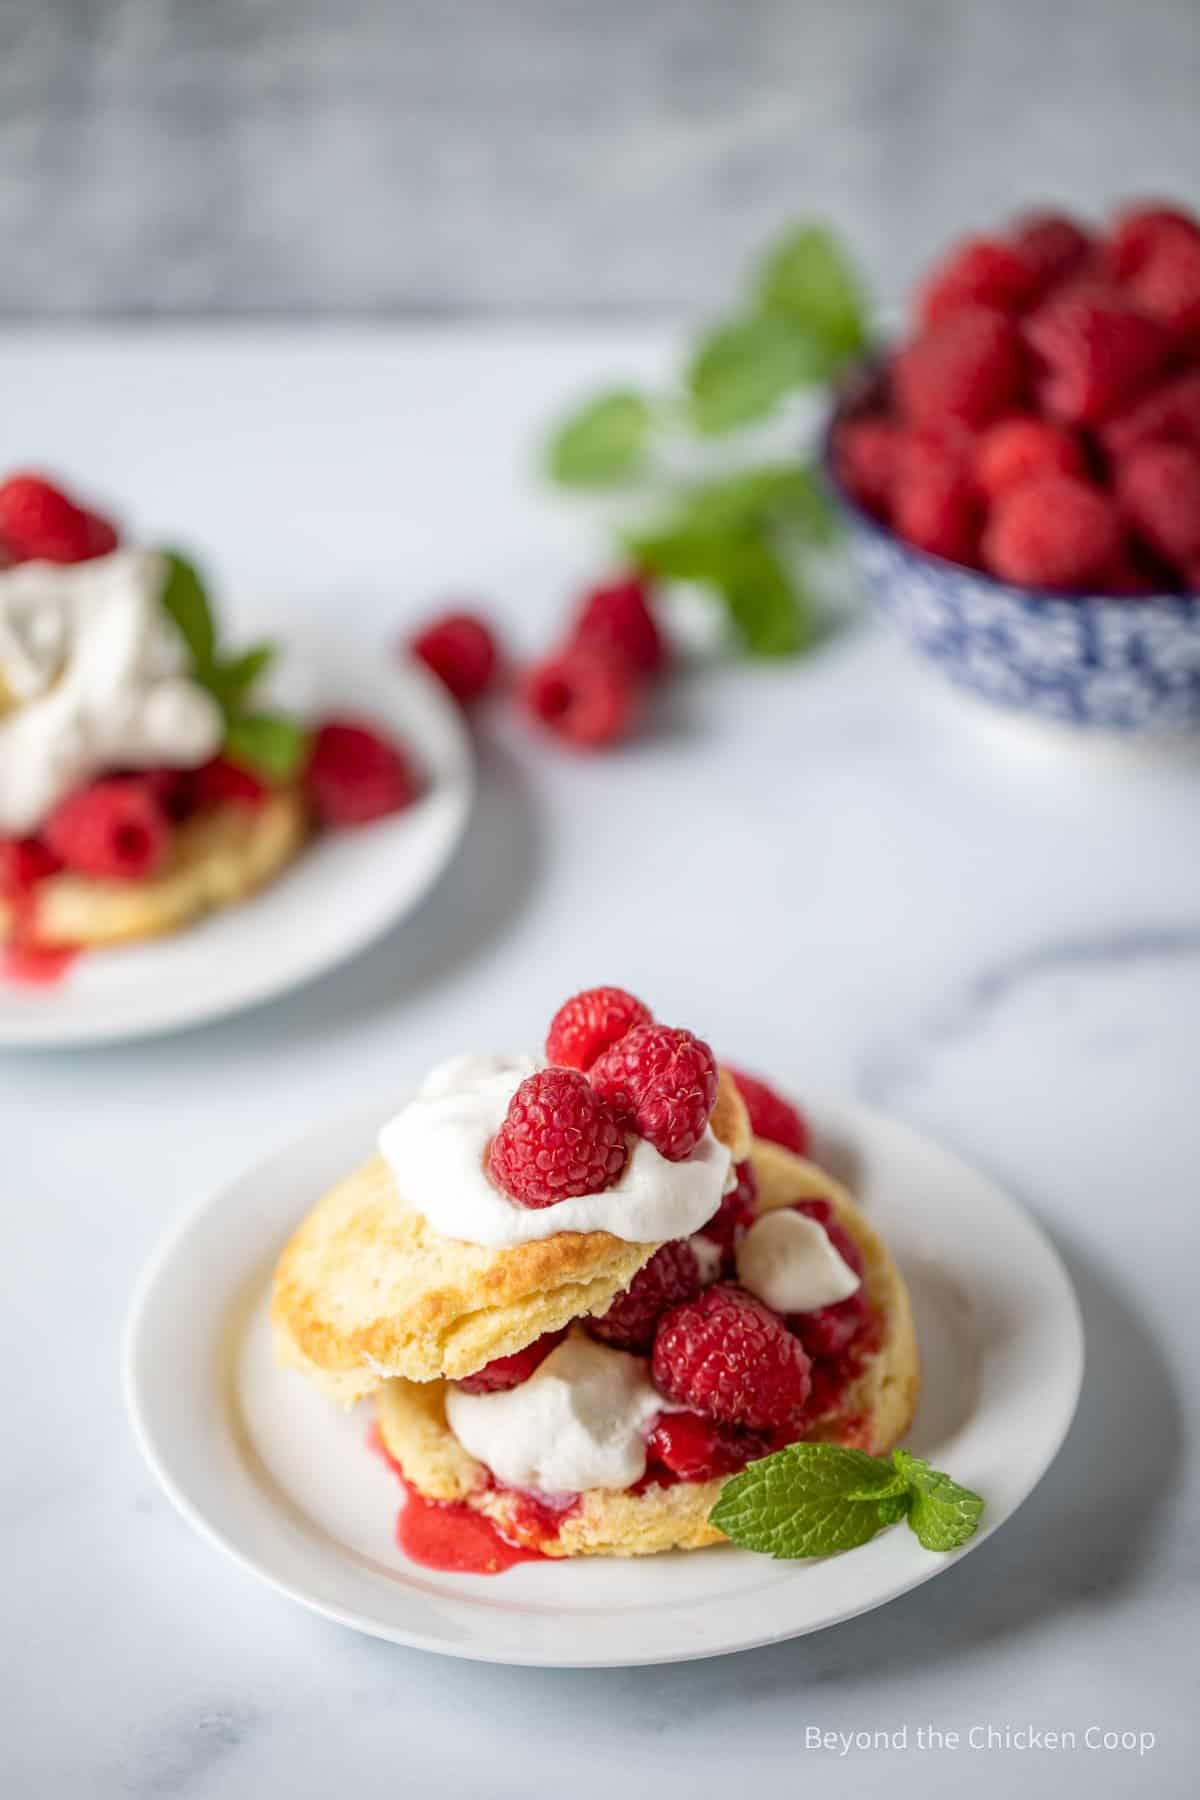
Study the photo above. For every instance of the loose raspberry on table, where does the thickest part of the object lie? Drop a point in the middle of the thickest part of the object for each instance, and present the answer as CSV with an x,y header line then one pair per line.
x,y
39,521
591,1022
582,695
978,271
460,648
114,830
617,621
504,1372
354,774
694,1448
735,1215
1138,230
726,1355
23,863
934,501
1098,351
1012,450
1054,531
864,454
662,1084
560,1138
771,1116
1167,284
969,367
672,1275
1053,245
1159,490
1169,413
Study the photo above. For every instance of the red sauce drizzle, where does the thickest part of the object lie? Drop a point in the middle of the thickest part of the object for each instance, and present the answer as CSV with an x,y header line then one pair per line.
x,y
28,966
449,1535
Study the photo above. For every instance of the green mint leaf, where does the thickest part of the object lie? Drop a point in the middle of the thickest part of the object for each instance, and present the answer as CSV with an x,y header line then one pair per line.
x,y
894,1507
783,494
942,1514
231,679
806,279
807,1500
604,442
770,612
741,371
270,744
186,600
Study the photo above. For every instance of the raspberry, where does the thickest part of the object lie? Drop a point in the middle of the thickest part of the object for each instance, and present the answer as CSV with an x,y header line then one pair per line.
x,y
1098,350
225,783
1167,285
1159,490
978,271
733,1218
864,455
504,1372
934,501
730,1357
1012,450
616,620
23,863
355,775
698,1449
559,1138
771,1116
662,1084
1137,232
1129,578
583,696
1054,532
671,1276
969,367
590,1023
1169,413
1053,246
461,651
114,830
37,520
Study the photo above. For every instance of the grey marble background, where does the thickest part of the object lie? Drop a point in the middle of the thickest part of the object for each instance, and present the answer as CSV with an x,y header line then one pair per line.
x,y
352,157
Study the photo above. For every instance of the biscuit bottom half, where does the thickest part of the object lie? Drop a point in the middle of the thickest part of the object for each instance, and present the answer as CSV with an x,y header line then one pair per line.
x,y
873,1413
215,859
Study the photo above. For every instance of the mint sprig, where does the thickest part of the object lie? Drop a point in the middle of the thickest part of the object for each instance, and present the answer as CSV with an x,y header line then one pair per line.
x,y
819,1499
604,442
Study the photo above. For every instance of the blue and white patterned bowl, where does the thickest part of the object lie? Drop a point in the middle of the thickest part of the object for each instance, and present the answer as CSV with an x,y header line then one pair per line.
x,y
1128,666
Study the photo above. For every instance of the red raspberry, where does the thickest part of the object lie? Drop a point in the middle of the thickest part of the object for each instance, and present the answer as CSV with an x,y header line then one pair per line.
x,y
23,863
1159,490
461,650
978,271
225,783
1137,232
934,503
355,775
1054,532
771,1116
1012,450
583,696
1099,352
114,830
1131,579
1053,246
37,520
559,1138
662,1084
1167,285
504,1372
864,454
671,1276
970,367
1191,579
730,1357
1169,413
733,1218
617,621
590,1023
698,1449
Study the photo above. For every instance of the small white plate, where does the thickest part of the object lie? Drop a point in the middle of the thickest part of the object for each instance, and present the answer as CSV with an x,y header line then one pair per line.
x,y
344,890
281,1479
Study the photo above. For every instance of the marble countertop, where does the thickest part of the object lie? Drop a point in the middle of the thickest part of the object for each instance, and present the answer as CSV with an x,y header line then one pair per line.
x,y
1003,948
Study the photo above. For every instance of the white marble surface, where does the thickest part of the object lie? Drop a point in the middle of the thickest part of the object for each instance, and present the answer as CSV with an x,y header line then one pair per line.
x,y
1003,949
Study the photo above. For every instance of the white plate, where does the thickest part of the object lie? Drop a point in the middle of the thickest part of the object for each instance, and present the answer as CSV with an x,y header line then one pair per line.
x,y
344,890
281,1479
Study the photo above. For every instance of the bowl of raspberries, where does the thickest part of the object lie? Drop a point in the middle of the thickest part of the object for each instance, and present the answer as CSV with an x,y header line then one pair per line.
x,y
1020,474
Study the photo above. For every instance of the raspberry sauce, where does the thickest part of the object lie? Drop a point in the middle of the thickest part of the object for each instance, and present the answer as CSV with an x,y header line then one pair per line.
x,y
446,1534
27,966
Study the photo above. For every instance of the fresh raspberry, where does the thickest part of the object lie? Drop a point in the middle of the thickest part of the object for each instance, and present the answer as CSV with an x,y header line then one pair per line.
x,y
1169,413
980,271
1013,450
355,775
970,367
617,621
1191,578
1138,231
731,1358
1131,577
114,830
1167,285
1159,490
934,502
461,650
1054,532
864,454
37,520
735,1215
590,1023
224,783
582,695
559,1138
504,1372
671,1276
1098,350
771,1116
1053,246
661,1083
23,863
698,1449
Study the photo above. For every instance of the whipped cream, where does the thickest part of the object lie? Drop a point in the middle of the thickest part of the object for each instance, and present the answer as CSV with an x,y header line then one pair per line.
x,y
94,671
436,1148
789,1261
709,1257
578,1422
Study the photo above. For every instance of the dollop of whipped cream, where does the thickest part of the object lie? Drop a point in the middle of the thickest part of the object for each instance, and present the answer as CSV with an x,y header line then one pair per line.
x,y
789,1261
436,1148
93,674
578,1422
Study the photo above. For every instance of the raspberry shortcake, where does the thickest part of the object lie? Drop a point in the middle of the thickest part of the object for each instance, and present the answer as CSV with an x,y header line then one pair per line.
x,y
585,1293
142,783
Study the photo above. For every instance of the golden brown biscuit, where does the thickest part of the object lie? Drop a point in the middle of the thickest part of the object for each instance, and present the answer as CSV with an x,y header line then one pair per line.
x,y
367,1288
874,1414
